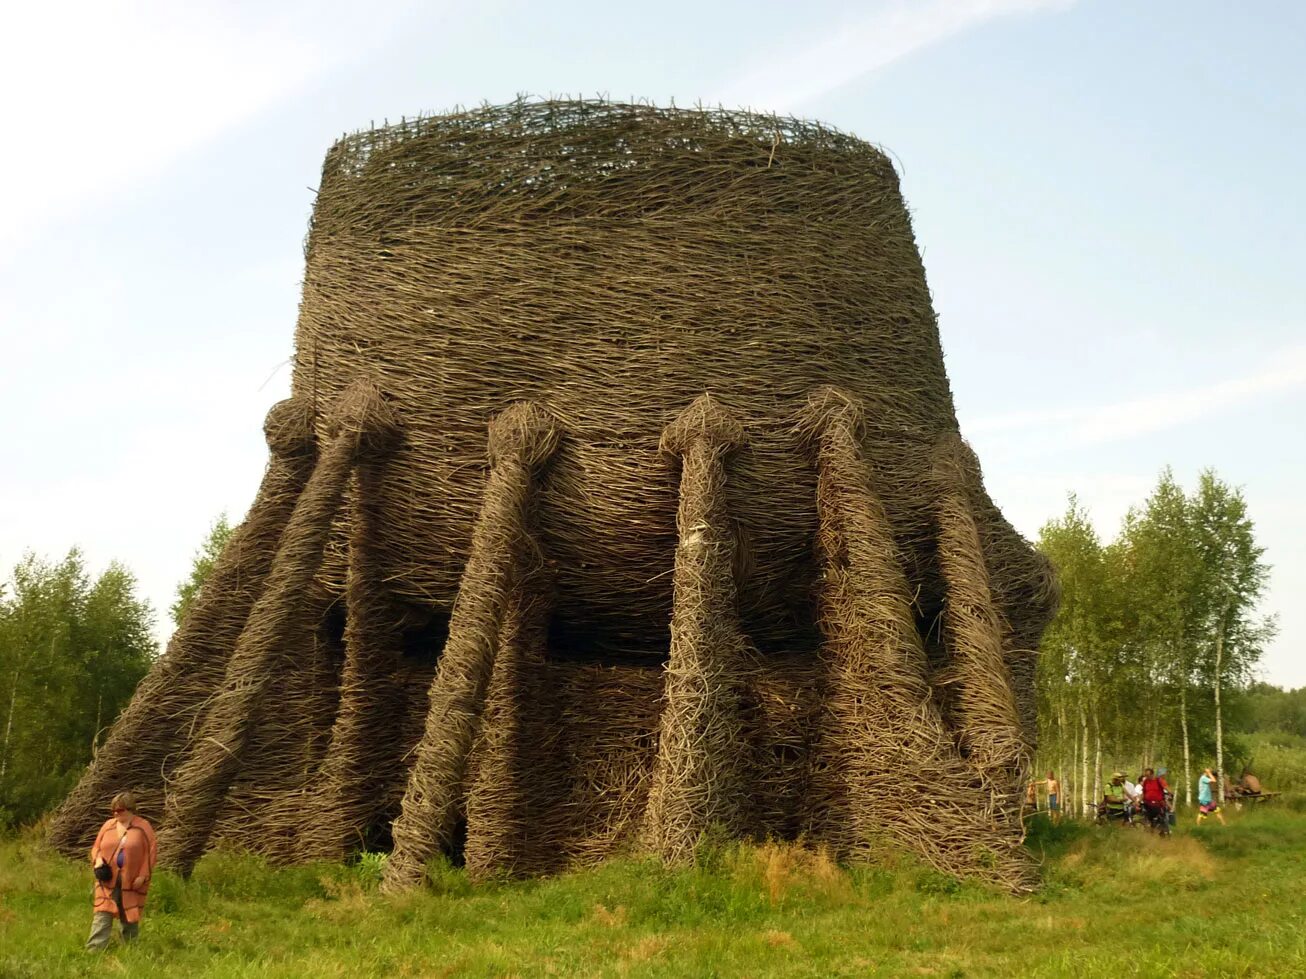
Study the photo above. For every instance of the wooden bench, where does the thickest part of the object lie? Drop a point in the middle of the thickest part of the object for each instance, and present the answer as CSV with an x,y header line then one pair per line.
x,y
1239,798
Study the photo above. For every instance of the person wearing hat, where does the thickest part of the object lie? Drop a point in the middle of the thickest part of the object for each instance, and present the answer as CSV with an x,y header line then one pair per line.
x,y
1206,804
1115,800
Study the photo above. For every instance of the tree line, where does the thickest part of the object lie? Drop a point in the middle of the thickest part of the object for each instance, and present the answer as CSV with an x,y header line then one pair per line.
x,y
1157,629
72,649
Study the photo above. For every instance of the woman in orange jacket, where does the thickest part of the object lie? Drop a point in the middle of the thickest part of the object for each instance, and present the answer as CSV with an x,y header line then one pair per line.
x,y
123,860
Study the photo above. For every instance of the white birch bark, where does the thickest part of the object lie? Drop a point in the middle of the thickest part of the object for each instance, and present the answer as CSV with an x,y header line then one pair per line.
x,y
1188,760
9,726
1219,719
1084,798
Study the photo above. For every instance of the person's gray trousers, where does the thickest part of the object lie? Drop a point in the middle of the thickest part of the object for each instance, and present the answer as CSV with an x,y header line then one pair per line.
x,y
102,928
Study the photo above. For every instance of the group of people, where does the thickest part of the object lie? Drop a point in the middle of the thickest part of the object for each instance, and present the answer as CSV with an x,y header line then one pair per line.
x,y
1124,798
1149,796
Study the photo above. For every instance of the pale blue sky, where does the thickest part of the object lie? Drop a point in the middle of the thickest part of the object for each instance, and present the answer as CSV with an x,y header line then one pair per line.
x,y
1108,196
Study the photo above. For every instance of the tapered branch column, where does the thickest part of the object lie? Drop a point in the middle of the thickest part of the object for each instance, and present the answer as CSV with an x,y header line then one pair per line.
x,y
698,774
152,730
363,423
499,810
978,680
364,757
892,769
521,439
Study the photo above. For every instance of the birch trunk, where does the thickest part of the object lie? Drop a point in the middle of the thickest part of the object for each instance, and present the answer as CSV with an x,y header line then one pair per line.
x,y
1097,759
1074,770
1219,720
1151,741
1188,760
9,726
1084,797
1064,801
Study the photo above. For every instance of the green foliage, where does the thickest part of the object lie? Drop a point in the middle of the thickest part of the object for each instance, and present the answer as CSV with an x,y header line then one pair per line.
x,y
1156,630
934,882
444,878
1266,708
369,868
1114,902
207,555
72,650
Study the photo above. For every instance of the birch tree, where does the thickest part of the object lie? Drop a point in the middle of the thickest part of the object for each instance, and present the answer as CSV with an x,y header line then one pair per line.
x,y
1230,583
1165,588
1074,646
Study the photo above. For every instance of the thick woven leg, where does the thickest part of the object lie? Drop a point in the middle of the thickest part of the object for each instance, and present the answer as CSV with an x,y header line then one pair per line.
x,y
521,439
978,680
148,737
363,423
891,765
697,780
364,759
500,818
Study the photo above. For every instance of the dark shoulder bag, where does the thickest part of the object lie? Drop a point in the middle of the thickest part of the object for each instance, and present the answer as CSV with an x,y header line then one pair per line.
x,y
104,872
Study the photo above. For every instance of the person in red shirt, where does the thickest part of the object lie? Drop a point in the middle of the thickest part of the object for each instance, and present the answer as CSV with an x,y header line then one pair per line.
x,y
1155,802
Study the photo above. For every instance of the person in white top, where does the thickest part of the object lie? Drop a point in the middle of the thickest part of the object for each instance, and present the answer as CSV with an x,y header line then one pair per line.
x,y
1134,795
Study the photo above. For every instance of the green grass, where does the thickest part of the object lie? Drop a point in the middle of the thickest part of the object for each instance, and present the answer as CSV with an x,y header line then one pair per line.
x,y
1116,902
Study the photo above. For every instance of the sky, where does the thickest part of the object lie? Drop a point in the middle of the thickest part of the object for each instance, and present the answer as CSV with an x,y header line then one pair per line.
x,y
1108,198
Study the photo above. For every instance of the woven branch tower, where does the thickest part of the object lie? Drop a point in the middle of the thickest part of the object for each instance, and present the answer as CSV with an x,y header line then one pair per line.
x,y
620,497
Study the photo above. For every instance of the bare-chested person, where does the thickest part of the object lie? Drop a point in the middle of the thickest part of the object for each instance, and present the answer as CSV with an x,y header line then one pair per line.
x,y
1054,797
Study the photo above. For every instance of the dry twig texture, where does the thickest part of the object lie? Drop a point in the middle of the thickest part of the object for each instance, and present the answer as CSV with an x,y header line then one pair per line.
x,y
149,737
626,621
893,772
362,422
521,439
697,781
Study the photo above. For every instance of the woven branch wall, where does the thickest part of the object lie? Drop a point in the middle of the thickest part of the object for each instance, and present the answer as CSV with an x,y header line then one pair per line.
x,y
628,500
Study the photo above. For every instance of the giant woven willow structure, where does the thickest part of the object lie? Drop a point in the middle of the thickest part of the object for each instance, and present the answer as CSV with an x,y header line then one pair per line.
x,y
620,496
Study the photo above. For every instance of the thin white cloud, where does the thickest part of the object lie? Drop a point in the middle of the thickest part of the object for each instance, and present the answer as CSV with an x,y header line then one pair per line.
x,y
1143,416
891,31
100,95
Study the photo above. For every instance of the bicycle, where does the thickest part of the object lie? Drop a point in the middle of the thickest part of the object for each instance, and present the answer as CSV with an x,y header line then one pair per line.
x,y
1106,815
1157,816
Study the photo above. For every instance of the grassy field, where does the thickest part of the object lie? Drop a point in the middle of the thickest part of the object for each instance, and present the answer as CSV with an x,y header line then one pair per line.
x,y
1116,902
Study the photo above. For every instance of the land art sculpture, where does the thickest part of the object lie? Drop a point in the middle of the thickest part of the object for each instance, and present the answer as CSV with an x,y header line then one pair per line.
x,y
620,500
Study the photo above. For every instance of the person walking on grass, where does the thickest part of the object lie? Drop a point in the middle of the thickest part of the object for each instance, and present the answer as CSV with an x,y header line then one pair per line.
x,y
1054,797
1206,803
122,860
